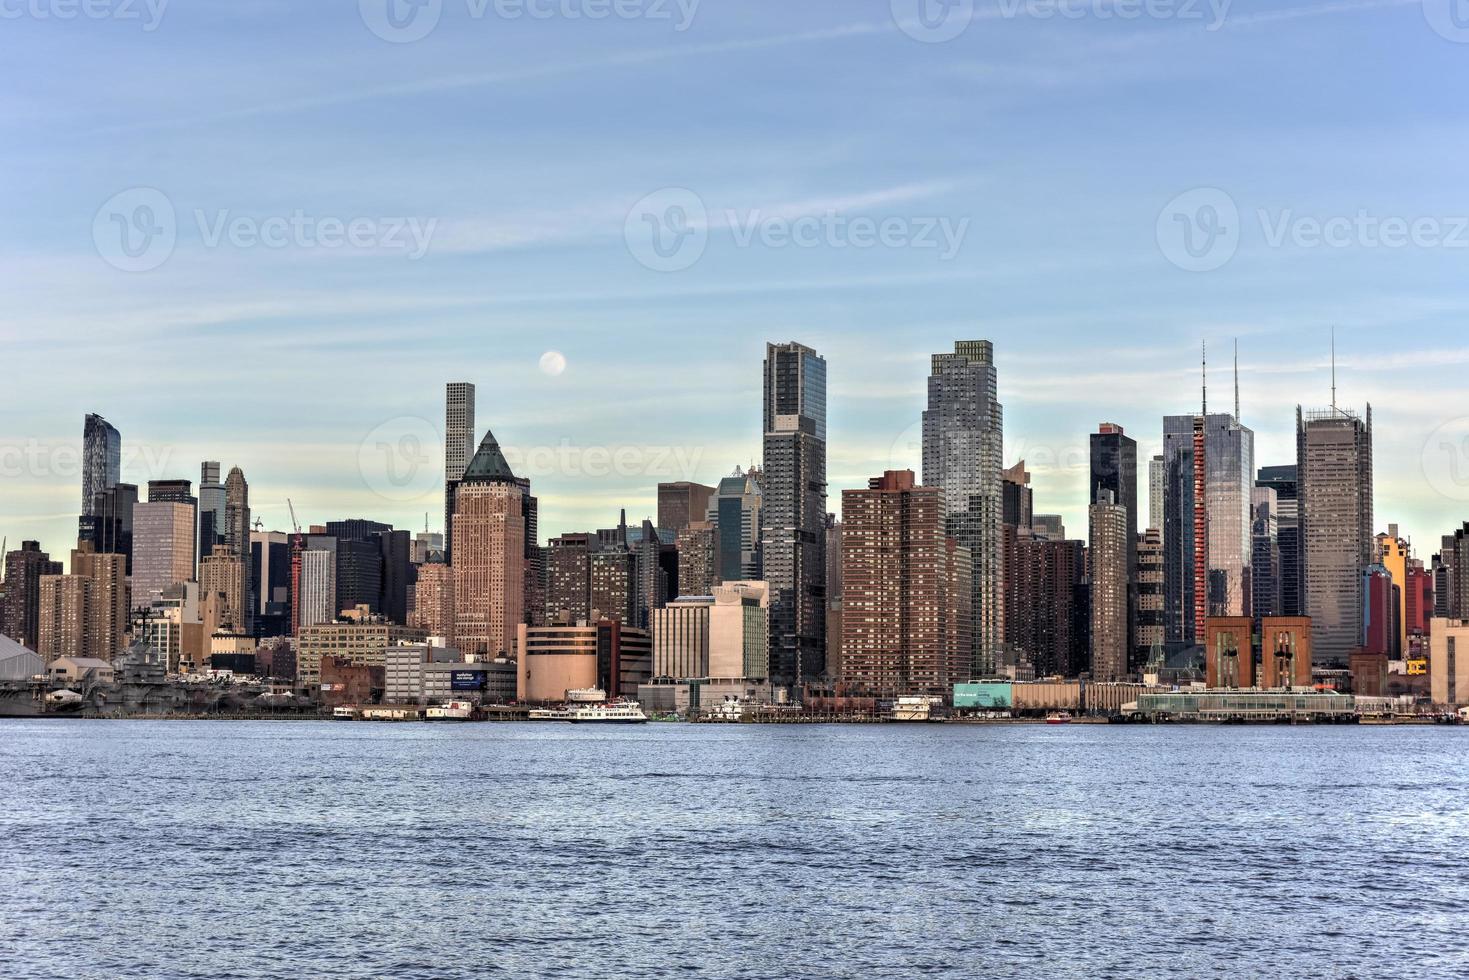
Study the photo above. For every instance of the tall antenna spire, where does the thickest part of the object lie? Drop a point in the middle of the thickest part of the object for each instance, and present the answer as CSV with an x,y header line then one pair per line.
x,y
1236,381
1204,377
1333,370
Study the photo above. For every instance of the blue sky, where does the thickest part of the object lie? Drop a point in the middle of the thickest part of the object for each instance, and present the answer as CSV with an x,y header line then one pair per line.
x,y
1064,156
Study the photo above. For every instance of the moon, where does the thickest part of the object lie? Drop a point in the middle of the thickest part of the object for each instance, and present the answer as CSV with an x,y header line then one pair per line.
x,y
553,362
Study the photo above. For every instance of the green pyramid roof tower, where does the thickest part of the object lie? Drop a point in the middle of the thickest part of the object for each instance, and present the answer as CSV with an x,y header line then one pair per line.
x,y
488,464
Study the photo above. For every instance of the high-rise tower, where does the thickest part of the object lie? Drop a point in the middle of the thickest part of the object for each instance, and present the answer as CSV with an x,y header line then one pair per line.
x,y
101,459
793,517
458,447
963,450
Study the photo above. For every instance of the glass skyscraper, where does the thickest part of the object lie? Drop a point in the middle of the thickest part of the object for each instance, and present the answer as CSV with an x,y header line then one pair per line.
x,y
1229,468
793,511
963,449
101,460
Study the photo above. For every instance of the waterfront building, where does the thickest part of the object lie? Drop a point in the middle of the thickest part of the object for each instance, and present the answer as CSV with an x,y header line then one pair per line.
x,y
1448,662
403,670
1111,548
793,510
1285,651
459,433
488,553
363,642
101,460
720,636
906,627
481,681
681,503
20,612
66,627
1334,467
963,456
1229,651
606,655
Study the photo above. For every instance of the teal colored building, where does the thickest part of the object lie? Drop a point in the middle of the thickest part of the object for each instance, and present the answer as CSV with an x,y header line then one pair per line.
x,y
986,695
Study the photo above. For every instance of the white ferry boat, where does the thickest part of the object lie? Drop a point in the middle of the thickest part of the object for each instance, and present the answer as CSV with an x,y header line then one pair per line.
x,y
620,712
452,711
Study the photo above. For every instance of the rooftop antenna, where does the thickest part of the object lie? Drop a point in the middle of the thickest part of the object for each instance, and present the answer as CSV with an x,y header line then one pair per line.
x,y
1236,381
1204,376
1333,370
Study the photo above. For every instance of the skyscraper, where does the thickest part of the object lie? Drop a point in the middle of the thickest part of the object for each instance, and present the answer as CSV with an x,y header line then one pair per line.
x,y
1112,546
1227,479
488,547
163,548
963,450
108,529
906,615
1334,469
1265,565
1157,484
237,512
211,508
1114,482
458,447
23,572
101,459
1282,480
735,513
793,511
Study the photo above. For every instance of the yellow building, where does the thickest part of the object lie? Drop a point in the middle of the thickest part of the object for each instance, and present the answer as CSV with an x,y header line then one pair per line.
x,y
1393,553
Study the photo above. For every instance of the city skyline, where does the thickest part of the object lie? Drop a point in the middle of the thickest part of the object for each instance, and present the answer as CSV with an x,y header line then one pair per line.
x,y
378,464
285,361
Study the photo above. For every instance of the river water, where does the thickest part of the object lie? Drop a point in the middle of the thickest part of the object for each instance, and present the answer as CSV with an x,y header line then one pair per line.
x,y
348,849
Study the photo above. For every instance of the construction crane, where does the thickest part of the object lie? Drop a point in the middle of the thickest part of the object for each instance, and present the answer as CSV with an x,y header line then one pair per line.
x,y
298,543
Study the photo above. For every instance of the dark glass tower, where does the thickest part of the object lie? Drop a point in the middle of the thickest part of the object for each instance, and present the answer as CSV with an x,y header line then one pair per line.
x,y
793,511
